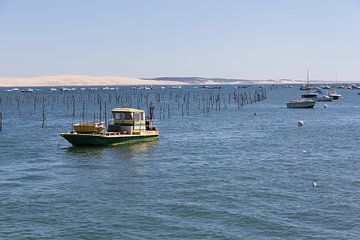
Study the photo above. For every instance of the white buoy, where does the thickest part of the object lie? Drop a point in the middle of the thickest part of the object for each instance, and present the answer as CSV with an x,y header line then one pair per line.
x,y
314,184
325,106
300,123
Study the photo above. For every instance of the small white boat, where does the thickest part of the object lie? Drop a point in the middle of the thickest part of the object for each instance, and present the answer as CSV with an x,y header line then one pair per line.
x,y
12,90
28,90
335,96
324,98
301,103
304,87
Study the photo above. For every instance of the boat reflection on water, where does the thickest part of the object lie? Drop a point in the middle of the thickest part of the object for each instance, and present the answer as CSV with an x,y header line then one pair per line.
x,y
136,148
96,151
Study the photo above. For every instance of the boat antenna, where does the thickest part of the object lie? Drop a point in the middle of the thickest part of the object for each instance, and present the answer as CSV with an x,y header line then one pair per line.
x,y
105,113
151,111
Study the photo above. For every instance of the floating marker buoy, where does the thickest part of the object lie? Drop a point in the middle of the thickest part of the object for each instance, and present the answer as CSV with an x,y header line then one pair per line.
x,y
325,106
300,123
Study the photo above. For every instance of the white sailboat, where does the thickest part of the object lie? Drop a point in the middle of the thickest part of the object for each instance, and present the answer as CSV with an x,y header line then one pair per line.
x,y
306,85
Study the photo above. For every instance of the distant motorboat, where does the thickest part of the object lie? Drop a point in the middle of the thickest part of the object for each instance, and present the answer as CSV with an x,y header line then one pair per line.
x,y
12,90
211,87
29,90
301,103
335,95
311,95
304,87
318,90
324,98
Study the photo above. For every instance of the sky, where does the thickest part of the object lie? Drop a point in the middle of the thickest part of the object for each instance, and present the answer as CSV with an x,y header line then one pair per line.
x,y
253,39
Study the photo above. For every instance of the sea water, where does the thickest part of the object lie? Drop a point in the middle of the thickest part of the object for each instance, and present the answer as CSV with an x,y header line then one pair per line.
x,y
228,174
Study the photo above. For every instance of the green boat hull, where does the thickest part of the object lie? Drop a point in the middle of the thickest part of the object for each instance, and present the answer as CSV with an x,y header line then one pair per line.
x,y
103,140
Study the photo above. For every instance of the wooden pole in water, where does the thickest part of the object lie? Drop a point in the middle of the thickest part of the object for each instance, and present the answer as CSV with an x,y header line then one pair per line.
x,y
83,112
1,122
100,111
43,116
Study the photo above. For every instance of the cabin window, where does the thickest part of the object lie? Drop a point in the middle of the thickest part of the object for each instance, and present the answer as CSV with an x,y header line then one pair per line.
x,y
117,116
123,116
139,116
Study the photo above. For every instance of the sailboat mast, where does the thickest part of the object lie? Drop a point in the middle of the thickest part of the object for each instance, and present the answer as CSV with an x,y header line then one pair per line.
x,y
307,78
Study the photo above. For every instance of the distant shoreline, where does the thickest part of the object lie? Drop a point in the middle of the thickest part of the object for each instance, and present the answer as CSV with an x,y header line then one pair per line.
x,y
84,80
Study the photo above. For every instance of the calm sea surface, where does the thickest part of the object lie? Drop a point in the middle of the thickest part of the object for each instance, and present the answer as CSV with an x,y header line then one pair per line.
x,y
225,174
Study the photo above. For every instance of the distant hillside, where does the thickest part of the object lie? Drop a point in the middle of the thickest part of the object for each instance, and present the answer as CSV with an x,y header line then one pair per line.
x,y
203,81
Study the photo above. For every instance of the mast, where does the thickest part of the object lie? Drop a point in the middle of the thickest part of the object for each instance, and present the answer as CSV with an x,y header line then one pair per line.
x,y
307,78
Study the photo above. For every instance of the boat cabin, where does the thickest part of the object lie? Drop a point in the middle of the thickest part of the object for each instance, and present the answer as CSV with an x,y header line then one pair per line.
x,y
128,121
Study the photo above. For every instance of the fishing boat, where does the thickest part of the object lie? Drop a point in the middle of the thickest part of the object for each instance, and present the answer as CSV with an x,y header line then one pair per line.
x,y
129,125
301,103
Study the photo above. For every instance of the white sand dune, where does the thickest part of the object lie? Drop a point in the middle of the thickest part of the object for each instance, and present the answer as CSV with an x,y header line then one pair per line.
x,y
79,80
84,80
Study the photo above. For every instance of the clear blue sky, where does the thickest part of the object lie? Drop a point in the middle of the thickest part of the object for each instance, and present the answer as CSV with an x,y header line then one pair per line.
x,y
254,39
